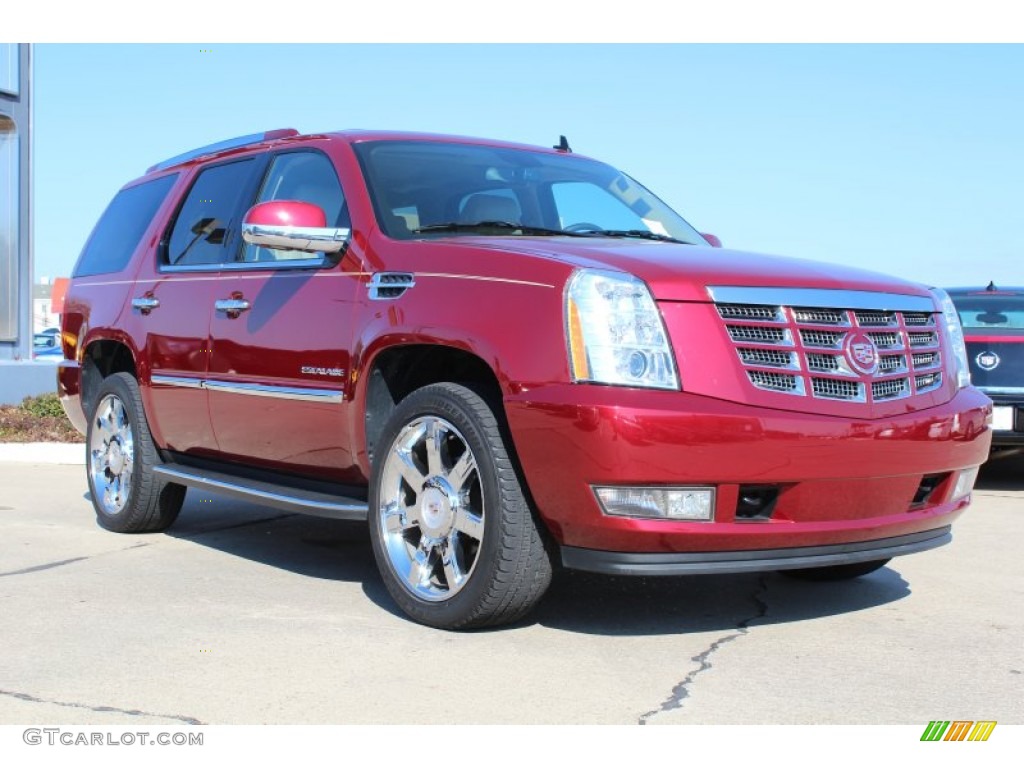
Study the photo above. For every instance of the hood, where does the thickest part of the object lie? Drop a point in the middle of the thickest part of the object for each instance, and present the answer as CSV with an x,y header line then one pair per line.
x,y
681,272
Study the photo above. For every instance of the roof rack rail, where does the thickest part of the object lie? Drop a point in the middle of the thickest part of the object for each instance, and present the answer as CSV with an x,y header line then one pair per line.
x,y
221,146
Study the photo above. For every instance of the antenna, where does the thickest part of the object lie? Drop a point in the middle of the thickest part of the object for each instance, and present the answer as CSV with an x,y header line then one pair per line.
x,y
991,286
562,145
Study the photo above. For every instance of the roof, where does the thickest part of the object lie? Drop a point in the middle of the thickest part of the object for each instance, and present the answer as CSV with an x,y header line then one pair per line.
x,y
269,138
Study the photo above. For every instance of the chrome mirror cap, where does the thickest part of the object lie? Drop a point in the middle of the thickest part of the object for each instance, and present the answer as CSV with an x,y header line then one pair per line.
x,y
292,238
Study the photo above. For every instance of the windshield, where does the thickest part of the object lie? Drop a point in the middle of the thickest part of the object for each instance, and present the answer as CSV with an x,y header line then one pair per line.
x,y
990,312
428,188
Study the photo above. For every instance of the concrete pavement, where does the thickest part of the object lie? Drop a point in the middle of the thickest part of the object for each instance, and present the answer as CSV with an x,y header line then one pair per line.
x,y
246,615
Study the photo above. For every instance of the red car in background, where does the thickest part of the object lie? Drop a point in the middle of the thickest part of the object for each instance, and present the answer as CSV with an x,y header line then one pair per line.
x,y
505,357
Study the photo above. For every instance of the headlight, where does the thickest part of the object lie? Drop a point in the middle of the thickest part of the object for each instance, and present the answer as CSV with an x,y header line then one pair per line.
x,y
955,336
615,332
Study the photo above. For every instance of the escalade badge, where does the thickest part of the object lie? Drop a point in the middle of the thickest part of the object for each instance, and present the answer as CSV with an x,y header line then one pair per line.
x,y
316,370
862,354
987,361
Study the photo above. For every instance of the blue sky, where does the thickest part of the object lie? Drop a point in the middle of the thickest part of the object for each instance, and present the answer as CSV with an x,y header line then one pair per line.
x,y
904,159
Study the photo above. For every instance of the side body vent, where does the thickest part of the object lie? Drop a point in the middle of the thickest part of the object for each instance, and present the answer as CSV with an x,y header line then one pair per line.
x,y
385,286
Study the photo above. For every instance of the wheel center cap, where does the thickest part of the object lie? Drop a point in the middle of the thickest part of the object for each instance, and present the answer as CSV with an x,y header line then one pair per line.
x,y
435,512
115,458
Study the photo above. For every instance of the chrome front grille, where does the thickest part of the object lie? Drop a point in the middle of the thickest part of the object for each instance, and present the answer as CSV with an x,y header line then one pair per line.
x,y
926,382
821,338
757,333
768,357
930,339
918,318
779,382
887,340
819,362
742,312
888,389
823,352
837,389
868,318
820,316
892,363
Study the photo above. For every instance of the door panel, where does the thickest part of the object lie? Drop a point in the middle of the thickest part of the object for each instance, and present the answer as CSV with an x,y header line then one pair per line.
x,y
176,333
278,370
173,305
281,339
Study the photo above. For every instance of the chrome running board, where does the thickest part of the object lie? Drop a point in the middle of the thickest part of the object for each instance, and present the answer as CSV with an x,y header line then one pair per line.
x,y
269,494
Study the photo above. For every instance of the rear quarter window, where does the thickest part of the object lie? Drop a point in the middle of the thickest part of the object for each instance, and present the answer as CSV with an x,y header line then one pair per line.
x,y
121,227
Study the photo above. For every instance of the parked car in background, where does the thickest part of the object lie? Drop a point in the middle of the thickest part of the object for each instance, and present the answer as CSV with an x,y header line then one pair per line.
x,y
501,358
45,340
46,345
993,321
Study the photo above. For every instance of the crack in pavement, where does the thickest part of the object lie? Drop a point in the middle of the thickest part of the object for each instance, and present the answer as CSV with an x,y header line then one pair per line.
x,y
58,563
681,691
135,712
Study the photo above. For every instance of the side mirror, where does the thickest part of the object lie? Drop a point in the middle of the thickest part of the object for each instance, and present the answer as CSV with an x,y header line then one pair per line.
x,y
712,239
291,225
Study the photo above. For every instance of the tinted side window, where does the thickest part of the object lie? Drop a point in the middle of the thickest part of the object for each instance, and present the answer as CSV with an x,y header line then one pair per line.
x,y
122,225
203,230
305,176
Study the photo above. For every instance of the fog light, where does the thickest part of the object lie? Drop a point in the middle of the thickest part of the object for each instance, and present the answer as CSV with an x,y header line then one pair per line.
x,y
964,483
658,502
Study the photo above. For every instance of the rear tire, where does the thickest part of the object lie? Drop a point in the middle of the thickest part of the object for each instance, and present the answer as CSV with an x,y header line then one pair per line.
x,y
453,535
836,572
120,456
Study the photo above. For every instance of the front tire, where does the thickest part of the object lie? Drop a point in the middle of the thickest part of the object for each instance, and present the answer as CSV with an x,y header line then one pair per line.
x,y
128,498
453,535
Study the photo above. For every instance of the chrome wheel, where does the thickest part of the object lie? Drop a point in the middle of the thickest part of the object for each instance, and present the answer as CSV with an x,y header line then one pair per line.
x,y
453,535
111,455
430,514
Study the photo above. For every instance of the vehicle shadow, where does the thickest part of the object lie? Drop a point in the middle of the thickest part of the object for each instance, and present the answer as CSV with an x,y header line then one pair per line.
x,y
615,605
1005,474
577,602
334,550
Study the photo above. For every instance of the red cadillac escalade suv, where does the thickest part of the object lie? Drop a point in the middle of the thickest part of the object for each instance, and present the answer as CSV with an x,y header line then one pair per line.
x,y
502,357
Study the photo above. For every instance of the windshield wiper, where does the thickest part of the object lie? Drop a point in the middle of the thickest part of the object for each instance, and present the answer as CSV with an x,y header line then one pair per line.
x,y
642,234
508,226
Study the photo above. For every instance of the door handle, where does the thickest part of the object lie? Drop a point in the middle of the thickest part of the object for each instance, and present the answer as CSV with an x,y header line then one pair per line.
x,y
231,307
145,304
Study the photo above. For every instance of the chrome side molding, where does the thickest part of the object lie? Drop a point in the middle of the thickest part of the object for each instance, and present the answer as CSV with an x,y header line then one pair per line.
x,y
257,390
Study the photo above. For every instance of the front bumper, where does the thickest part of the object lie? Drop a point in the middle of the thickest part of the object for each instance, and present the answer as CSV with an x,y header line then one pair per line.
x,y
687,564
840,481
